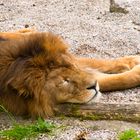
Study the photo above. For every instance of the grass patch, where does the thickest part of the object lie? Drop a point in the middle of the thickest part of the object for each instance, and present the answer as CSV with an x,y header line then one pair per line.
x,y
28,131
21,132
129,135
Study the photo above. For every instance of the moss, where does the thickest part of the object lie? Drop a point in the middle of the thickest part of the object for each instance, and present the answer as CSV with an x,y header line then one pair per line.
x,y
73,110
88,115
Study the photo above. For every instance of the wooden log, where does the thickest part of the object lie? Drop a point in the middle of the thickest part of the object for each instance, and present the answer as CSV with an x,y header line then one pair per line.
x,y
102,111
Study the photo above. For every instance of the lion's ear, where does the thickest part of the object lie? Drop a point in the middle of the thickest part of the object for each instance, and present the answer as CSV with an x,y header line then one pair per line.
x,y
54,44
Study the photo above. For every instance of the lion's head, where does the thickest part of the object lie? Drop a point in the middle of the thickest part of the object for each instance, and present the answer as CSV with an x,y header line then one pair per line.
x,y
71,84
40,70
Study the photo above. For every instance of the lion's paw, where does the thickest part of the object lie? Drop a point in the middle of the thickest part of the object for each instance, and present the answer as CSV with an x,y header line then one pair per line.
x,y
132,61
136,69
128,62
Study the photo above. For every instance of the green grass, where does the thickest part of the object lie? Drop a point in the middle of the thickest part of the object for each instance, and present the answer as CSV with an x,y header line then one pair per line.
x,y
25,132
22,132
129,135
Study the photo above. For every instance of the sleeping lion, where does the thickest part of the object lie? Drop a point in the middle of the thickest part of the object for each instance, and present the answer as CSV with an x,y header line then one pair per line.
x,y
37,72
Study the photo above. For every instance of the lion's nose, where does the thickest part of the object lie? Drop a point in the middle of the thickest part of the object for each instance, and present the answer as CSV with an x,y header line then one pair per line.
x,y
96,94
94,86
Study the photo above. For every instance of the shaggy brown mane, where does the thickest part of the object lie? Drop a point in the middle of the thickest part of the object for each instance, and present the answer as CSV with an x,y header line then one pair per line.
x,y
25,63
32,45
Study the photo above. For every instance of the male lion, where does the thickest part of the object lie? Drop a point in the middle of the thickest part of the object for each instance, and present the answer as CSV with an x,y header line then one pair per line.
x,y
37,73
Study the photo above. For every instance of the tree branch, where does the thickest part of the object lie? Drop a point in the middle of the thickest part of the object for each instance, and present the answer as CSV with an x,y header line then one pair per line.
x,y
102,111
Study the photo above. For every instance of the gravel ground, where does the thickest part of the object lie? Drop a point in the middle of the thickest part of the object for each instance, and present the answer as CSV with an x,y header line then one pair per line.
x,y
92,31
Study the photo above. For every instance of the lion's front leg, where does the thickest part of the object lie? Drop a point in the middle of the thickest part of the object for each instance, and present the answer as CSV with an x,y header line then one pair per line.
x,y
112,82
118,65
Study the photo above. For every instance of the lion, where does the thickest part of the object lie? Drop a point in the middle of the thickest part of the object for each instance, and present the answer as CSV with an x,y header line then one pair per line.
x,y
37,73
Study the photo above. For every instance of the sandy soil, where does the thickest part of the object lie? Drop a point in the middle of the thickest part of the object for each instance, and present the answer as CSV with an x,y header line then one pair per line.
x,y
92,31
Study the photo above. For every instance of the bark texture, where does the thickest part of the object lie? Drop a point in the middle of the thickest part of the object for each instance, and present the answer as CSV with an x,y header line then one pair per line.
x,y
102,111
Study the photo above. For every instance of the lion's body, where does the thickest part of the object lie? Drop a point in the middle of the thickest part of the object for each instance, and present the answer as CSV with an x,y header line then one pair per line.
x,y
37,72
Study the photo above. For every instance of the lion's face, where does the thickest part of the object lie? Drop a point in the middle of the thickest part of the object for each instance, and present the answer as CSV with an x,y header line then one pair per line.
x,y
71,84
37,72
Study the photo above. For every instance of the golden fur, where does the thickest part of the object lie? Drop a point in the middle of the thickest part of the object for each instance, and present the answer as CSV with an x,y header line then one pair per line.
x,y
37,72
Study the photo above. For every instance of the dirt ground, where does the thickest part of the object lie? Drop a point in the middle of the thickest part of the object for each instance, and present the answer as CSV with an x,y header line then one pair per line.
x,y
92,31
